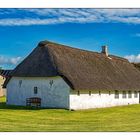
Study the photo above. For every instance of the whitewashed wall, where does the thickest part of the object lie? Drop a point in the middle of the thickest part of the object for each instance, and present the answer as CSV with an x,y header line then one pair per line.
x,y
85,101
55,96
59,95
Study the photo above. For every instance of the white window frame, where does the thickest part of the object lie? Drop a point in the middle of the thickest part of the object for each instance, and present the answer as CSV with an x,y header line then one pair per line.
x,y
116,95
129,94
124,95
135,94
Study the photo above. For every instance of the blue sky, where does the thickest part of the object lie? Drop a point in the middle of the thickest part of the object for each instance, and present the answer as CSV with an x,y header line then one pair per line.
x,y
22,29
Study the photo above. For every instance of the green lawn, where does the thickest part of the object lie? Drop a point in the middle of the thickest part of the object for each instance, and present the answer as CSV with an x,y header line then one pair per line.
x,y
126,118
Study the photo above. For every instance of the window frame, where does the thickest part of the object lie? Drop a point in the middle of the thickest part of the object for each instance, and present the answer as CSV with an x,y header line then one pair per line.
x,y
124,95
89,93
135,94
20,83
35,90
78,93
116,96
99,93
129,94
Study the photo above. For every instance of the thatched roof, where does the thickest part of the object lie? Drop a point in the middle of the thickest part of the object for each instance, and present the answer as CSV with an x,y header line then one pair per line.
x,y
81,69
137,65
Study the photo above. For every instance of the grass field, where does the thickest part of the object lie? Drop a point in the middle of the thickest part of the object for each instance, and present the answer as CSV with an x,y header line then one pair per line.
x,y
12,118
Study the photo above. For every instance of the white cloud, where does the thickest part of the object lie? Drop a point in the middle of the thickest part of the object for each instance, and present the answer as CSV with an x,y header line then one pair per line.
x,y
85,12
37,21
133,58
9,60
26,17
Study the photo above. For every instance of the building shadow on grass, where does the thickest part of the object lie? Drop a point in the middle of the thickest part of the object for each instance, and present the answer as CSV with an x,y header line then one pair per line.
x,y
3,105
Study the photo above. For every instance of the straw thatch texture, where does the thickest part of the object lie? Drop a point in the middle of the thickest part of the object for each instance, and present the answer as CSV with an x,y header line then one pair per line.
x,y
5,73
83,70
137,65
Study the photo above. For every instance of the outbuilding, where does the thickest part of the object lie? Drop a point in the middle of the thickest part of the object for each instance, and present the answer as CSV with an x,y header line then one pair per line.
x,y
3,75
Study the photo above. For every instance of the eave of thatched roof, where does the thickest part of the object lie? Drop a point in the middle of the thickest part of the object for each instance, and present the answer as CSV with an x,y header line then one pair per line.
x,y
81,69
5,73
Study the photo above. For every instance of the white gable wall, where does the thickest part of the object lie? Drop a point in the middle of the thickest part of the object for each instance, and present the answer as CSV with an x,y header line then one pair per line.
x,y
53,96
96,100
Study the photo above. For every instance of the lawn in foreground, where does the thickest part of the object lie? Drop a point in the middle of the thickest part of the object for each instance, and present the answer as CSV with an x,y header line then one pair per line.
x,y
12,118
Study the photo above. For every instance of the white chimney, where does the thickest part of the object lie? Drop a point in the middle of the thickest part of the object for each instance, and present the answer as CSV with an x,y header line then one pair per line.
x,y
105,50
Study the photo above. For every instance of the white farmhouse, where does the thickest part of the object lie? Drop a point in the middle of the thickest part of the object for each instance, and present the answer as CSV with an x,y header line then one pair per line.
x,y
58,76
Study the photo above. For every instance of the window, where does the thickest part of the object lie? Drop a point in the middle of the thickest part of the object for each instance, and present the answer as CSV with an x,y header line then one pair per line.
x,y
89,93
78,93
100,93
116,94
135,94
20,83
51,83
35,90
124,94
129,94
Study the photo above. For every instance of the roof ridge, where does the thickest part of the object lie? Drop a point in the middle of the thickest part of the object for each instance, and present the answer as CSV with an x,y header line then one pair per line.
x,y
46,42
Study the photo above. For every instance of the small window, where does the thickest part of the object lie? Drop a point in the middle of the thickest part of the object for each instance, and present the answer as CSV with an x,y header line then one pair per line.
x,y
89,93
20,83
129,94
35,90
78,93
116,95
100,93
51,83
135,94
124,94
